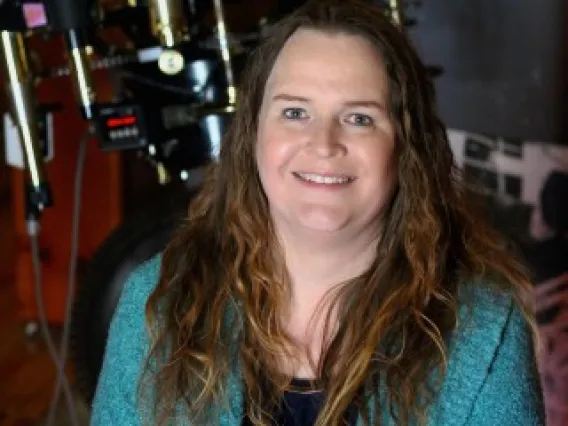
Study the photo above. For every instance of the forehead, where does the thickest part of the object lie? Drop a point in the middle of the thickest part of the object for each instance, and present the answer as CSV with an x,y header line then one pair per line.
x,y
337,60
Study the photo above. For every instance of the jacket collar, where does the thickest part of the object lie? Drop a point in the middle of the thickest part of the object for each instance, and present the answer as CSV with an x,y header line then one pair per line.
x,y
482,317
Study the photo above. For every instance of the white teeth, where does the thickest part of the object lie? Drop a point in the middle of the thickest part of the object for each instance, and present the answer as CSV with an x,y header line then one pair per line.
x,y
328,180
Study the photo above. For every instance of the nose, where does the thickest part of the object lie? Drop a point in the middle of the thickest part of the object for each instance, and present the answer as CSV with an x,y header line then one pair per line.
x,y
326,141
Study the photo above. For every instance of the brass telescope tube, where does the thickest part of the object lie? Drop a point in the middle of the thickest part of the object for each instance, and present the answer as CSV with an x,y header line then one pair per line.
x,y
19,86
167,21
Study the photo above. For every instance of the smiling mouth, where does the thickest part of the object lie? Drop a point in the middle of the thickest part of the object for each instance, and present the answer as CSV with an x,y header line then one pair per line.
x,y
324,179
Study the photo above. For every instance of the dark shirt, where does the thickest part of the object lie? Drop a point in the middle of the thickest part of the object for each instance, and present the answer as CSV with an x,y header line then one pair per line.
x,y
301,406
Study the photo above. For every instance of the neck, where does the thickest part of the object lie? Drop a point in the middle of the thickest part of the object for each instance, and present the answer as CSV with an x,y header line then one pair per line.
x,y
318,262
315,264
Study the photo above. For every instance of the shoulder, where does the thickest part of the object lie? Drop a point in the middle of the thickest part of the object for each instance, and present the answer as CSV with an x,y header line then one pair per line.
x,y
489,322
141,282
491,360
484,313
128,326
127,347
129,317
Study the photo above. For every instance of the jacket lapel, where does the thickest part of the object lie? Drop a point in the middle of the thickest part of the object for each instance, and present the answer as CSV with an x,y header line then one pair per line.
x,y
470,353
482,317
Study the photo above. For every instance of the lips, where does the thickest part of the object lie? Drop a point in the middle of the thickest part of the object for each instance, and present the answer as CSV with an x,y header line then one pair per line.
x,y
324,178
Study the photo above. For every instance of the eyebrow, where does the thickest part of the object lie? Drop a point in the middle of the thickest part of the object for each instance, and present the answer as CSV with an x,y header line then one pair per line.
x,y
286,97
356,103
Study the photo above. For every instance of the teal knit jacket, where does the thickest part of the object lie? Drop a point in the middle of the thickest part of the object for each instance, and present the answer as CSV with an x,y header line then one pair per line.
x,y
492,379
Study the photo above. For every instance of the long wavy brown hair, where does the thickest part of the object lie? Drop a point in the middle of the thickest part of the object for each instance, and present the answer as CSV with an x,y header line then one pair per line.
x,y
223,285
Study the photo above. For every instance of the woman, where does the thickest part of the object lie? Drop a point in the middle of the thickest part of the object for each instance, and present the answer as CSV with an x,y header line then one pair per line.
x,y
330,268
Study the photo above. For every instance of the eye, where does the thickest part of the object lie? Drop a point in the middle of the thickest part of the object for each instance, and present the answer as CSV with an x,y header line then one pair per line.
x,y
294,113
360,120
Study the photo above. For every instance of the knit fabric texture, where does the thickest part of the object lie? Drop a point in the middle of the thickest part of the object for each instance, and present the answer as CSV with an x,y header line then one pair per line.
x,y
492,378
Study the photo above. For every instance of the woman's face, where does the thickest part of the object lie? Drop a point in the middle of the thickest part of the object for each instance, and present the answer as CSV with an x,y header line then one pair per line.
x,y
326,143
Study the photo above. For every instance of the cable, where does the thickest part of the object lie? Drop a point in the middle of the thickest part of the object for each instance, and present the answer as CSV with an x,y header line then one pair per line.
x,y
73,258
224,49
33,230
61,358
152,83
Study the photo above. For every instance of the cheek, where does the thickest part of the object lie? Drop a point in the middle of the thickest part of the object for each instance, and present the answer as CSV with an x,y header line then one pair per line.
x,y
274,150
268,162
380,156
381,163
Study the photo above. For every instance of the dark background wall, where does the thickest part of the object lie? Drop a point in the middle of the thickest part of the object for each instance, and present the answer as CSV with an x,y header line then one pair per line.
x,y
503,61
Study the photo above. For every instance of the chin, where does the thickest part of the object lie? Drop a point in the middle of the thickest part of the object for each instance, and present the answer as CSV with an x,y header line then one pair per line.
x,y
323,222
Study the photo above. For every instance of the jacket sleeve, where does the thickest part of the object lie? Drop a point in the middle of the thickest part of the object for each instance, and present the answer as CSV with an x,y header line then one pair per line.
x,y
115,402
511,393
